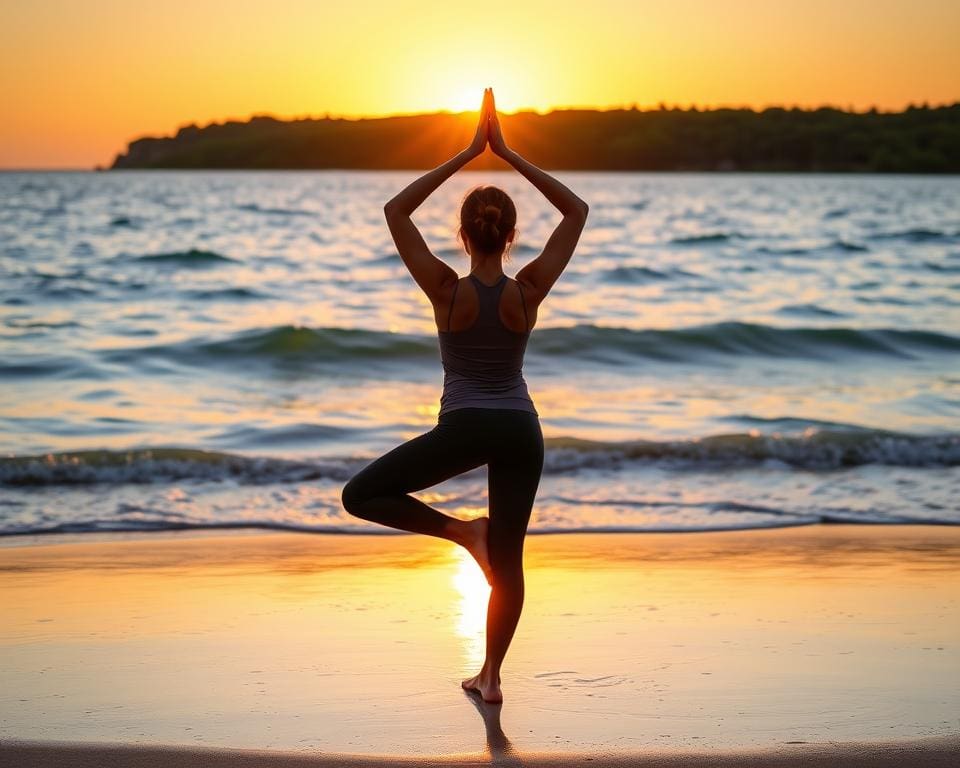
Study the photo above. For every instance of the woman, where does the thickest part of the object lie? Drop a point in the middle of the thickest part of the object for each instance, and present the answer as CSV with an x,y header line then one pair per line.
x,y
486,414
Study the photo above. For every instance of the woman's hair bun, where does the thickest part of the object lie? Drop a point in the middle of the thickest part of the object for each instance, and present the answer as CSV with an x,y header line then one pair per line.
x,y
491,213
487,217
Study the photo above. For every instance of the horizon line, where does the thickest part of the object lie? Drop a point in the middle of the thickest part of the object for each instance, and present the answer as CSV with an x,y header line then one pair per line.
x,y
628,106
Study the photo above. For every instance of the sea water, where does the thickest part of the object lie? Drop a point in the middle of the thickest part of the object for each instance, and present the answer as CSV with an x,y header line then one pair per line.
x,y
207,349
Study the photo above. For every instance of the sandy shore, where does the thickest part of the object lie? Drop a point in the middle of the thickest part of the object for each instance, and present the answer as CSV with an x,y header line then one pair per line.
x,y
931,752
775,647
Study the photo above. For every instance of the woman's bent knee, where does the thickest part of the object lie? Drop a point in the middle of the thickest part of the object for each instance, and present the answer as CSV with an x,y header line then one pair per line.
x,y
352,496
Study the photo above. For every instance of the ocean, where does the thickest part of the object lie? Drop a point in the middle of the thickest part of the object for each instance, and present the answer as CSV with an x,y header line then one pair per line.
x,y
225,349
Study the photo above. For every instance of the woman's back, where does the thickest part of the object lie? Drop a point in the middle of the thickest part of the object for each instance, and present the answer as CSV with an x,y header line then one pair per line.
x,y
483,363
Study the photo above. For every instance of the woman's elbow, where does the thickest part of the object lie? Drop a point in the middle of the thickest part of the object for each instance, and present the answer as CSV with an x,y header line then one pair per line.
x,y
579,210
394,210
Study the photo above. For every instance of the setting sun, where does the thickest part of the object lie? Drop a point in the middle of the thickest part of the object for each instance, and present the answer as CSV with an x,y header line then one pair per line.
x,y
466,100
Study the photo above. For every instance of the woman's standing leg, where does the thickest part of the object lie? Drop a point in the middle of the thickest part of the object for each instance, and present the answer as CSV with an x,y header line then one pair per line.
x,y
514,476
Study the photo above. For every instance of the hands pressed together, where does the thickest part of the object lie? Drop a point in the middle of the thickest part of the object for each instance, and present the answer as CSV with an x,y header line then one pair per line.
x,y
432,274
488,129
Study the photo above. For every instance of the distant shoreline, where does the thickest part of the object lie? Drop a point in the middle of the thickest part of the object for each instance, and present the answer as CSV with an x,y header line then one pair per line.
x,y
923,140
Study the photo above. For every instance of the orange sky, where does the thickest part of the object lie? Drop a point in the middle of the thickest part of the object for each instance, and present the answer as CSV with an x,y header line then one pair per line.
x,y
80,79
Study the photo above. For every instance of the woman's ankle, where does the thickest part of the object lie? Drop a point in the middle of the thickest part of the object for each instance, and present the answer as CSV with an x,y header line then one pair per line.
x,y
488,673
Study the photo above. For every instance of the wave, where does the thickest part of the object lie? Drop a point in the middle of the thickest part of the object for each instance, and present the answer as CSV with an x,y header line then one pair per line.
x,y
793,423
836,245
133,524
19,322
915,235
247,437
809,310
292,344
153,465
773,520
325,343
289,345
254,208
633,275
773,517
52,366
836,213
815,449
846,245
191,258
934,266
704,239
692,344
227,294
386,258
340,349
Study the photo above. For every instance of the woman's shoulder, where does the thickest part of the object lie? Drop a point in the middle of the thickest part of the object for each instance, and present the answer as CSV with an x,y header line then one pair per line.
x,y
522,312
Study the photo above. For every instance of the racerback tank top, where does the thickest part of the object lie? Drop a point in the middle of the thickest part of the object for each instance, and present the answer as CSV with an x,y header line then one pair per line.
x,y
483,364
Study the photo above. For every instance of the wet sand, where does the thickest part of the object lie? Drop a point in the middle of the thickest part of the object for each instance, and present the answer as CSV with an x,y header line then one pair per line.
x,y
817,643
931,752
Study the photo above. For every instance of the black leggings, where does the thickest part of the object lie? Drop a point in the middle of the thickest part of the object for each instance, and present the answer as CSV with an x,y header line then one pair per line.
x,y
510,443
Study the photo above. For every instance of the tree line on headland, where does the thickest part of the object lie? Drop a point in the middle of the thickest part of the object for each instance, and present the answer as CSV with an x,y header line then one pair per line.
x,y
920,139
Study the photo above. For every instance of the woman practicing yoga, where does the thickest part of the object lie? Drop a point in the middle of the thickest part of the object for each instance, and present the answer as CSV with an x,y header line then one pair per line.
x,y
486,414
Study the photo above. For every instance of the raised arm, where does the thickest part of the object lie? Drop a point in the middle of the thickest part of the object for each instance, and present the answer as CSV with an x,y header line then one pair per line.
x,y
431,274
539,275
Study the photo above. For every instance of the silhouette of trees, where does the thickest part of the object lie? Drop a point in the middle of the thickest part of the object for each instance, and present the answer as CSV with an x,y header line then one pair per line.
x,y
919,139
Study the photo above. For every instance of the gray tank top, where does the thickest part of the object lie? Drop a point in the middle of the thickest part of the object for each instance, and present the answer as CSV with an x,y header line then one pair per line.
x,y
483,364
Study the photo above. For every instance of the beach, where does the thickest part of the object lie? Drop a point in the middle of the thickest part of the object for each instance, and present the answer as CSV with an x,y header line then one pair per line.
x,y
745,542
814,643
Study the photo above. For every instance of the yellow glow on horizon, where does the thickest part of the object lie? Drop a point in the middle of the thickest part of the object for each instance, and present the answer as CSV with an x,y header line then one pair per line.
x,y
465,100
78,81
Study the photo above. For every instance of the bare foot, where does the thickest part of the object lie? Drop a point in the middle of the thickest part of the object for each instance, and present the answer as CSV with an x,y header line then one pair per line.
x,y
488,689
475,542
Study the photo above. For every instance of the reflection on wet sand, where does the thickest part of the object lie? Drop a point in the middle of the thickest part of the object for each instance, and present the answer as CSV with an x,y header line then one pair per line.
x,y
471,612
499,747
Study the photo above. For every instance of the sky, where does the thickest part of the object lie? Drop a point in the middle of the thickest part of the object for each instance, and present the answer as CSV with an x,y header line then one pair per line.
x,y
79,79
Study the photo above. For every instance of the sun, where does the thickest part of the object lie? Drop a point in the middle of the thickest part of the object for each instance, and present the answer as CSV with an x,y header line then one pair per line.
x,y
466,99
469,99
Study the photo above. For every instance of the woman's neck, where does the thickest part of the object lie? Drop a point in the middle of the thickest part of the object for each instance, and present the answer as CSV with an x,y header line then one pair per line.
x,y
486,268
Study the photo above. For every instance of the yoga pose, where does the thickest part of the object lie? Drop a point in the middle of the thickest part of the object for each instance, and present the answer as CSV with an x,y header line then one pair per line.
x,y
486,413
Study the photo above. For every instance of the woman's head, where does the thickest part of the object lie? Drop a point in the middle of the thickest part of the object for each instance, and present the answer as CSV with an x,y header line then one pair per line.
x,y
488,220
